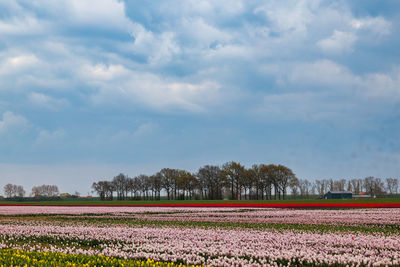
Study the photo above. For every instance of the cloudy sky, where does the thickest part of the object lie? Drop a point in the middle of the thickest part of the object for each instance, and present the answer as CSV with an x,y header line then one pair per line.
x,y
91,88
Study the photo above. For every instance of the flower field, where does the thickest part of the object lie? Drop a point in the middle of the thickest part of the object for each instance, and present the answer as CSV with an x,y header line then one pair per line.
x,y
11,257
168,236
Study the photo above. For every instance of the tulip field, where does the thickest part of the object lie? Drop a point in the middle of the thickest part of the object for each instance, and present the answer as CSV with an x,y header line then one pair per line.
x,y
196,236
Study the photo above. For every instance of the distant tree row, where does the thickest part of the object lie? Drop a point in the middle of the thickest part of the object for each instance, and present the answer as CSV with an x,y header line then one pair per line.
x,y
234,181
17,191
231,180
370,185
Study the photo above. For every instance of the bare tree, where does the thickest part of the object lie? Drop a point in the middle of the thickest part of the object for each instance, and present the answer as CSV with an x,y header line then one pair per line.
x,y
156,184
211,181
341,184
379,187
248,182
134,187
392,185
168,181
120,184
258,183
233,172
356,185
330,185
374,186
20,192
45,191
191,184
109,190
36,191
321,186
349,186
144,185
266,176
369,184
100,189
187,182
304,186
12,190
313,189
294,185
9,190
283,177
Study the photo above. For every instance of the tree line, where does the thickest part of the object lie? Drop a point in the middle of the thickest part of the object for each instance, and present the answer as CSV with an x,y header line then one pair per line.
x,y
234,181
209,182
17,191
370,185
231,180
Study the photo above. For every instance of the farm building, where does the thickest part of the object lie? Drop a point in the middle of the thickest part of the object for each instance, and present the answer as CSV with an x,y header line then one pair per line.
x,y
338,195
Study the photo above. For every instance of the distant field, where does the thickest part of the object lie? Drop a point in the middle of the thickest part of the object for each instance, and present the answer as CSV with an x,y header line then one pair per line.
x,y
167,202
168,237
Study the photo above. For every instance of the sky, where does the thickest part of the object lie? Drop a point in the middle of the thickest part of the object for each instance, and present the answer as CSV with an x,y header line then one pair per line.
x,y
92,88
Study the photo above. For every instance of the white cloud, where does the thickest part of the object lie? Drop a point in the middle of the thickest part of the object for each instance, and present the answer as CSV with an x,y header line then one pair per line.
x,y
325,90
322,74
200,37
284,107
338,42
157,48
10,5
212,11
207,7
310,107
26,25
17,64
306,107
19,21
50,138
377,25
47,101
127,137
326,75
202,33
188,56
12,123
99,13
354,29
102,72
24,72
117,82
146,129
289,17
384,85
226,52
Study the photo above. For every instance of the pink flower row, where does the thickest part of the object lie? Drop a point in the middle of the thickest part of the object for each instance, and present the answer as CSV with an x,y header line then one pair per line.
x,y
20,210
295,216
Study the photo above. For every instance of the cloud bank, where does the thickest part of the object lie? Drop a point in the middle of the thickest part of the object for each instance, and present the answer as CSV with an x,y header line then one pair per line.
x,y
135,82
